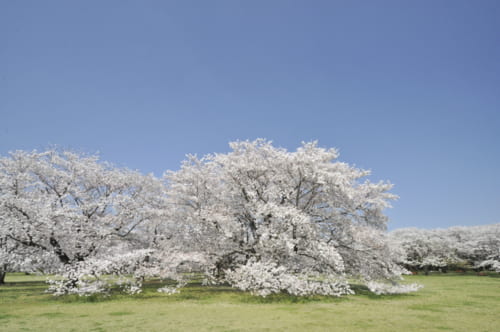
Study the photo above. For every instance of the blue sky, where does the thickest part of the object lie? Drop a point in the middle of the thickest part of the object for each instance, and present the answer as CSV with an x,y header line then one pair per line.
x,y
408,89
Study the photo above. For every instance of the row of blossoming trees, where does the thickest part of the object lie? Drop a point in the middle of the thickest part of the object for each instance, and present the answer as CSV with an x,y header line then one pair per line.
x,y
260,218
456,248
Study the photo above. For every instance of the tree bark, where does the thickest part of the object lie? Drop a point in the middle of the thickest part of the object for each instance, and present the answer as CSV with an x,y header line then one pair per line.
x,y
63,258
3,271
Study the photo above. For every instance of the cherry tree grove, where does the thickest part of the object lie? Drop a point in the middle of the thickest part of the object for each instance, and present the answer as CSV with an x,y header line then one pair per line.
x,y
259,218
476,247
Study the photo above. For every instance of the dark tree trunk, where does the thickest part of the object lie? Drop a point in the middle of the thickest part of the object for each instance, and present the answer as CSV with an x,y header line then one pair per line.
x,y
3,271
63,258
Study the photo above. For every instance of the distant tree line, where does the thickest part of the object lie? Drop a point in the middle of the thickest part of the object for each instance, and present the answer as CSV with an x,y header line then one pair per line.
x,y
454,248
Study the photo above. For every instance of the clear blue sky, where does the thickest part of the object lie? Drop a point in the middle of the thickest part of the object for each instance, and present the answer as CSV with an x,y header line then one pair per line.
x,y
408,89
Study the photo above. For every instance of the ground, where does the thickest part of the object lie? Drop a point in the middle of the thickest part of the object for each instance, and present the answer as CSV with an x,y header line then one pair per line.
x,y
448,302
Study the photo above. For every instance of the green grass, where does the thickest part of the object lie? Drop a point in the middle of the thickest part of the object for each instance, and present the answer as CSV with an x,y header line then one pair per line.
x,y
447,303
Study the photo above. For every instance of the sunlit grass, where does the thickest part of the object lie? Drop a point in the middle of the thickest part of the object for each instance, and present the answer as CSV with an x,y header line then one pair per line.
x,y
447,303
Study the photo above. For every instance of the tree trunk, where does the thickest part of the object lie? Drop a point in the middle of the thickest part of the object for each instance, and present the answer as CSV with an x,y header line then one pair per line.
x,y
3,271
63,258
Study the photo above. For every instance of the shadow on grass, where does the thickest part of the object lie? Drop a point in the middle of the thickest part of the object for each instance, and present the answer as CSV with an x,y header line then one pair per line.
x,y
195,291
483,274
284,298
31,289
7,316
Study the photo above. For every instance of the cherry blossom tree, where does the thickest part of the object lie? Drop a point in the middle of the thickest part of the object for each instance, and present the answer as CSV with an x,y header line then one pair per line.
x,y
424,249
71,206
15,257
269,220
479,246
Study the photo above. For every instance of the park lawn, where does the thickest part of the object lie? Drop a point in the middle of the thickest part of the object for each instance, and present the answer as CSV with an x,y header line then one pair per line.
x,y
446,303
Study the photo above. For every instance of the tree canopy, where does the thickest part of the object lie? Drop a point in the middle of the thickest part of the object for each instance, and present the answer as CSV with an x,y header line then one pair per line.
x,y
260,218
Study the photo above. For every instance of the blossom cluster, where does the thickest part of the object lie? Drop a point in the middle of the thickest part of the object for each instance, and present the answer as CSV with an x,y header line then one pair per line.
x,y
265,278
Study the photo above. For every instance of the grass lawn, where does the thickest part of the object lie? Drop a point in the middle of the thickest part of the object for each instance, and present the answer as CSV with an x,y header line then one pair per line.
x,y
447,303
